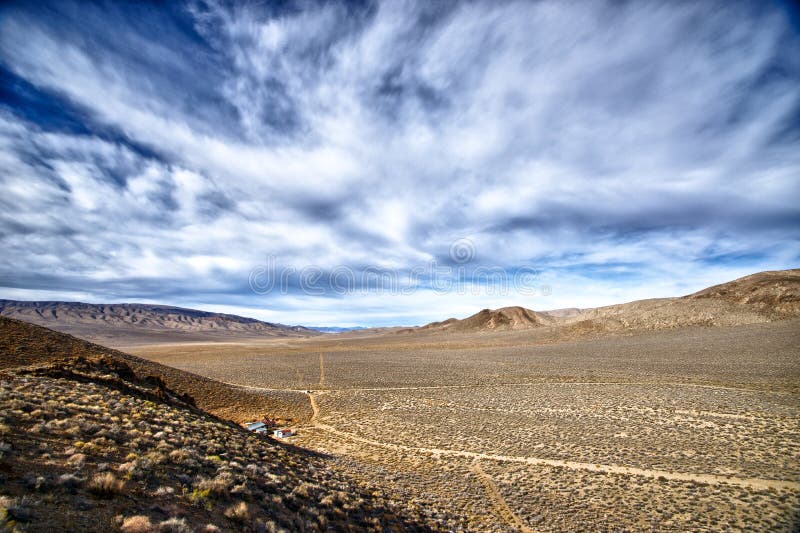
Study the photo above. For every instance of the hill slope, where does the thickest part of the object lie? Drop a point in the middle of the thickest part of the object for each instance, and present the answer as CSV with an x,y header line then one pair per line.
x,y
86,445
761,297
131,322
503,319
23,344
772,293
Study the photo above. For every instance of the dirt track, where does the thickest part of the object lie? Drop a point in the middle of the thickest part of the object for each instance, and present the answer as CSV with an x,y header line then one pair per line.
x,y
756,483
498,501
493,494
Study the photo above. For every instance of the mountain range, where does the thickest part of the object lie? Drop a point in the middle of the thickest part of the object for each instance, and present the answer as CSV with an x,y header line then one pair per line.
x,y
762,297
136,322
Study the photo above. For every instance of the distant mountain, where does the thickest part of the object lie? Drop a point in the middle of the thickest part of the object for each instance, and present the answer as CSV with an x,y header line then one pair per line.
x,y
761,297
135,322
774,293
335,329
567,312
503,319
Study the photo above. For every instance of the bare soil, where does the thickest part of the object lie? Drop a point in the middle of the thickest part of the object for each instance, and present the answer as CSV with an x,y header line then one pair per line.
x,y
683,429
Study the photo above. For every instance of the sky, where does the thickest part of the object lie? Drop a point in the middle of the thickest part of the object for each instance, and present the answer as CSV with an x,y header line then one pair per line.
x,y
393,163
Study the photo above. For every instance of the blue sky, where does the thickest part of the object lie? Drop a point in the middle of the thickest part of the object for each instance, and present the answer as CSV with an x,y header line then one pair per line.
x,y
188,153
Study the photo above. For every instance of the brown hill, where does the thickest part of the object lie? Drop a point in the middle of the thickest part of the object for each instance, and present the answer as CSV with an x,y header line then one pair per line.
x,y
761,297
88,445
23,344
773,293
567,312
503,319
132,323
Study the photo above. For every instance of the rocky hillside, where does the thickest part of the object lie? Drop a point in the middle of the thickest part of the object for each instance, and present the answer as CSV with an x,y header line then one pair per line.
x,y
774,294
143,321
761,297
87,445
567,312
503,319
23,344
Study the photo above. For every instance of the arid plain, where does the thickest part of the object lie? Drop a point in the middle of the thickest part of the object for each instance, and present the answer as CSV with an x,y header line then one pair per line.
x,y
688,428
671,414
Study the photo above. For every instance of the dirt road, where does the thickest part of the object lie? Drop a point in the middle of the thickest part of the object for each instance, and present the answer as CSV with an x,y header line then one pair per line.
x,y
498,501
756,483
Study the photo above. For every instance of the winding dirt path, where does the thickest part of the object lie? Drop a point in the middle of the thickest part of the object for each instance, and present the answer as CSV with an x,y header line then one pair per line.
x,y
497,499
314,408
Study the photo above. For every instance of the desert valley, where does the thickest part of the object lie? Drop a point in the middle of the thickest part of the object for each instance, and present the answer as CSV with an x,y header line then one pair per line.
x,y
458,266
667,415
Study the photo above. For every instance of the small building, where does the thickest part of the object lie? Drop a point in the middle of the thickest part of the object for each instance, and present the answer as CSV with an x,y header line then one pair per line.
x,y
282,433
258,427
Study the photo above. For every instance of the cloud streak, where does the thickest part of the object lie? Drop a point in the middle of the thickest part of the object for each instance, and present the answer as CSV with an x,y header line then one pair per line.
x,y
161,153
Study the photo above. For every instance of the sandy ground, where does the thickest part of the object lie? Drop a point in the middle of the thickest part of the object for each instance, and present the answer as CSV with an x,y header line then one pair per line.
x,y
715,410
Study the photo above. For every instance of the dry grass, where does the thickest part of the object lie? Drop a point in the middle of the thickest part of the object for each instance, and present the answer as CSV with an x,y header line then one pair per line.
x,y
106,485
136,524
87,449
693,401
23,344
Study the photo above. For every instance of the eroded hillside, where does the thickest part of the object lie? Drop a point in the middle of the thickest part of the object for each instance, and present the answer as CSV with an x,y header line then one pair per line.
x,y
24,344
87,445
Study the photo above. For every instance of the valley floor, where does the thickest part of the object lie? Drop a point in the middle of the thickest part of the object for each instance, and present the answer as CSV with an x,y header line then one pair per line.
x,y
690,429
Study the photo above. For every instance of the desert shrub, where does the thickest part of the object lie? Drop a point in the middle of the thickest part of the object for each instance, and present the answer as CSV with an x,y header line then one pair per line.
x,y
334,499
40,427
303,490
200,497
105,485
242,490
127,469
174,525
164,491
14,509
69,481
77,460
38,483
154,458
218,486
180,456
136,524
240,512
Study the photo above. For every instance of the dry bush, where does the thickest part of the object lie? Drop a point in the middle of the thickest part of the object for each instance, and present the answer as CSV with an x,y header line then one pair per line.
x,y
239,512
174,525
218,486
69,481
77,460
105,485
137,524
13,510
